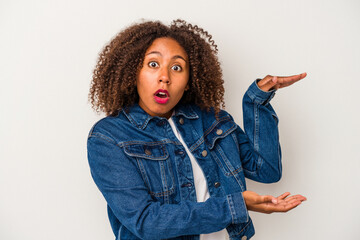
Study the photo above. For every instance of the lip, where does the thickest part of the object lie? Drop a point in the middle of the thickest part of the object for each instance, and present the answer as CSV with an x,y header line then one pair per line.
x,y
162,100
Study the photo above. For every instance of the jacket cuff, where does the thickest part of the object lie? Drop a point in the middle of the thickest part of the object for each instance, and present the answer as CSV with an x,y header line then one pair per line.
x,y
259,96
238,210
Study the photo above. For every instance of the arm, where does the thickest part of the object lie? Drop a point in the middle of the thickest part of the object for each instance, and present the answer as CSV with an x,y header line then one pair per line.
x,y
254,201
119,180
259,146
261,158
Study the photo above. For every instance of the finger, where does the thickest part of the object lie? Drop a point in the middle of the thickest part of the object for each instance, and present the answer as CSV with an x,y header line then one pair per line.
x,y
265,80
283,196
286,81
286,207
267,83
298,197
301,76
270,84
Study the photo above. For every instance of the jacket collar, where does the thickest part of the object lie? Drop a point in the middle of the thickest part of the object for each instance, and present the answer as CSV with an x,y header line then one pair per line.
x,y
138,117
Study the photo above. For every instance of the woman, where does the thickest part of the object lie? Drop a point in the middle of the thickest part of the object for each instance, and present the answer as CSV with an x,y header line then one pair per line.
x,y
169,162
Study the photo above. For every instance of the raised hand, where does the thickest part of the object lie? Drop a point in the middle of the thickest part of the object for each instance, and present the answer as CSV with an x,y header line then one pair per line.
x,y
275,82
269,204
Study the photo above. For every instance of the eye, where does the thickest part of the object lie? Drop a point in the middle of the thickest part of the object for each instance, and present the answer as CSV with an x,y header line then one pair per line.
x,y
153,64
176,68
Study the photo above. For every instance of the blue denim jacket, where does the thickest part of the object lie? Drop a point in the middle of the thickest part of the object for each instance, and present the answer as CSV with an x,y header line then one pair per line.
x,y
146,177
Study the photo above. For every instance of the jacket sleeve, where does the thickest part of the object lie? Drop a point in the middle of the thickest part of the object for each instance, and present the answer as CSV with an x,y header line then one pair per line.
x,y
259,145
119,180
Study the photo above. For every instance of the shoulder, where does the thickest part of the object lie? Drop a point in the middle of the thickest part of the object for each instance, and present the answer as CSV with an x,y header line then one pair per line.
x,y
108,128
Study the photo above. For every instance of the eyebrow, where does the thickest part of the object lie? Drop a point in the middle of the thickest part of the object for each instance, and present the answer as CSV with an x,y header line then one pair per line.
x,y
158,53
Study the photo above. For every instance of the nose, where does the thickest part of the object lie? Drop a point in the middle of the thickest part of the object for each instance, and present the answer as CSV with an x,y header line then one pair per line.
x,y
164,76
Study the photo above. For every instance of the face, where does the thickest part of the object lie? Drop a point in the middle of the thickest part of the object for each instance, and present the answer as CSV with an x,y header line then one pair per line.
x,y
163,78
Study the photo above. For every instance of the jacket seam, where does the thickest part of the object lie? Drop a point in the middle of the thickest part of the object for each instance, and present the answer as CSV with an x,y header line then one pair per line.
x,y
102,136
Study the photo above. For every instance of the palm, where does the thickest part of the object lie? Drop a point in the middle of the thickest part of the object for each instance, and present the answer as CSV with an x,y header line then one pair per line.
x,y
275,82
270,204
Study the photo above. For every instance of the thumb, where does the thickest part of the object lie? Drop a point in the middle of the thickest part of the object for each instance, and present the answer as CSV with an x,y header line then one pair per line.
x,y
268,83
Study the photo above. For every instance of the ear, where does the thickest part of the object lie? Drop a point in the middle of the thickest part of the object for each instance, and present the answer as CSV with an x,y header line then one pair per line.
x,y
187,87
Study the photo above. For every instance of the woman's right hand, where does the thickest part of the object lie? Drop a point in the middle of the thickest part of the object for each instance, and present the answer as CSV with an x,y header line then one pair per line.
x,y
269,204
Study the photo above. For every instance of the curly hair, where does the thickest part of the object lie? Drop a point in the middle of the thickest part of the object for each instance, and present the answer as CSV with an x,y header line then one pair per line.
x,y
113,83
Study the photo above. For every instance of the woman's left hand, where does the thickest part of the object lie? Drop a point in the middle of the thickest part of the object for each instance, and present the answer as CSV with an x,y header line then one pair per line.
x,y
269,82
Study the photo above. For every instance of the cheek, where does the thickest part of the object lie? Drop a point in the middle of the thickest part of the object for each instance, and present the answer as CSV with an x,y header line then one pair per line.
x,y
144,79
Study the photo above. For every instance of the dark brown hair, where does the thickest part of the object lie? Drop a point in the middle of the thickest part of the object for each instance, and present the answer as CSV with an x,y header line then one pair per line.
x,y
113,84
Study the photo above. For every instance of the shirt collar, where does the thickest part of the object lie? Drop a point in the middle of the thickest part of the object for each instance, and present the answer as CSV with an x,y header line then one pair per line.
x,y
137,116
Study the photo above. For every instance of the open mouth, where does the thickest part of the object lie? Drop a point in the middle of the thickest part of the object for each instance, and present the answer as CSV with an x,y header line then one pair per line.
x,y
161,96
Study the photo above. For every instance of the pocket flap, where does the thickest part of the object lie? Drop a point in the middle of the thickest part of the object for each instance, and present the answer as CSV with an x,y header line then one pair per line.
x,y
146,150
223,128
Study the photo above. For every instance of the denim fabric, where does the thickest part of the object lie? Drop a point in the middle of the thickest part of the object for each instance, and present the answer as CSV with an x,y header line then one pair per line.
x,y
145,175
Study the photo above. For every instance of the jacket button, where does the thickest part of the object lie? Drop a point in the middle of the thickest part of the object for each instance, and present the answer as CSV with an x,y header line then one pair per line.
x,y
219,132
179,152
244,238
217,184
147,152
181,121
204,153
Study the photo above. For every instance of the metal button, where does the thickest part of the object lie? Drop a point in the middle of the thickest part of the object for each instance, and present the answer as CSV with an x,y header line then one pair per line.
x,y
244,238
204,153
181,121
217,184
147,152
219,132
179,152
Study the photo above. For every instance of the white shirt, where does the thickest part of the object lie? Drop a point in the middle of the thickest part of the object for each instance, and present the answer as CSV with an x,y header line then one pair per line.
x,y
201,189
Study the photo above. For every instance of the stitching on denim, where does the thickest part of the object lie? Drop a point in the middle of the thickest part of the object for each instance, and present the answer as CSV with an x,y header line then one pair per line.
x,y
220,151
256,130
236,171
163,176
222,136
145,123
171,173
143,173
259,163
192,115
227,117
242,229
231,206
252,173
161,157
239,182
202,139
218,162
128,143
170,191
232,172
227,173
236,141
130,119
102,136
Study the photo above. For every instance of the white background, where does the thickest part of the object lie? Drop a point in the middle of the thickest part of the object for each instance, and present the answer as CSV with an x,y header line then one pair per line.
x,y
48,51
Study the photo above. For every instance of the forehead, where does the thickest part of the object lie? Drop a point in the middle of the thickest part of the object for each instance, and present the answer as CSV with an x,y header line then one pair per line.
x,y
167,46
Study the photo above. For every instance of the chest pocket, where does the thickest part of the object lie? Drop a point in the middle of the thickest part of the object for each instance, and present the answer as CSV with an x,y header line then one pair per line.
x,y
221,140
155,166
